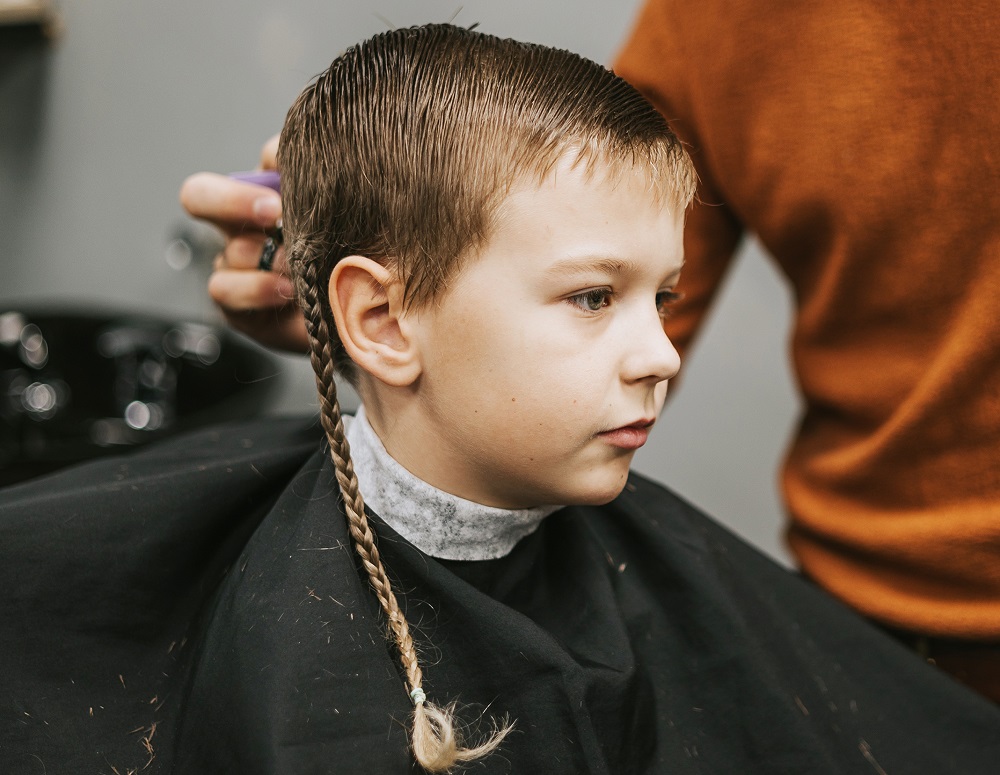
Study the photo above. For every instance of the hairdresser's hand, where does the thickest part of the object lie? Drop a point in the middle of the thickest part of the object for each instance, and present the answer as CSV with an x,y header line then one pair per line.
x,y
260,304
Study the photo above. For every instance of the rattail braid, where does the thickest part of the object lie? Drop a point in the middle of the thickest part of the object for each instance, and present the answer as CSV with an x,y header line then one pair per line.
x,y
435,743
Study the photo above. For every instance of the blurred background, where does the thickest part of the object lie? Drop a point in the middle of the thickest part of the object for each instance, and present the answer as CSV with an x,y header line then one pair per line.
x,y
107,105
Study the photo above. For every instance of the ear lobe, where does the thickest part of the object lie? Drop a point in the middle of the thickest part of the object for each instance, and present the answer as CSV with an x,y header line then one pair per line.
x,y
367,304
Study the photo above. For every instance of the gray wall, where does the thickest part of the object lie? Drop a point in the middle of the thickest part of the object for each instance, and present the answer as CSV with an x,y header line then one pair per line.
x,y
98,130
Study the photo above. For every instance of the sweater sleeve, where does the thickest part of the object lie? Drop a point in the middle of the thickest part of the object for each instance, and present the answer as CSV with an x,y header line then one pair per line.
x,y
656,62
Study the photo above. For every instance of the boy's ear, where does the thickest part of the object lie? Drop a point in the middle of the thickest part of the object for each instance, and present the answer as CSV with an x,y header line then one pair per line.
x,y
367,304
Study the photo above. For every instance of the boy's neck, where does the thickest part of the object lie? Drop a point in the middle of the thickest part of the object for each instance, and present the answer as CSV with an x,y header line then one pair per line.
x,y
436,522
406,431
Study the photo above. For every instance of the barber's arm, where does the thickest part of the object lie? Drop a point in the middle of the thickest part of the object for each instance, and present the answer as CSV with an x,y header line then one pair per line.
x,y
259,303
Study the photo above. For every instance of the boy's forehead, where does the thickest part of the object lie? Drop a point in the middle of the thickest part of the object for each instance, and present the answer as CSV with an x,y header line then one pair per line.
x,y
582,184
599,215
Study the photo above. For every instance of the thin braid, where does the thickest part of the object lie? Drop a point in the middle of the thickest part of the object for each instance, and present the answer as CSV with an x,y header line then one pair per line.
x,y
436,745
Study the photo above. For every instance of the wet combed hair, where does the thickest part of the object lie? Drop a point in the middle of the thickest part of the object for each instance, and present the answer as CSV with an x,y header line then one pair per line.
x,y
403,151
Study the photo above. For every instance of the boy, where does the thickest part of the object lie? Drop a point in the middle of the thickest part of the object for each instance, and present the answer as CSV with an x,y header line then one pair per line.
x,y
506,285
484,236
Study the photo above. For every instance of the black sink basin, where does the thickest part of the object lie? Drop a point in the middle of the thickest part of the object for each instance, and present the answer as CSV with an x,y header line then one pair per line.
x,y
78,384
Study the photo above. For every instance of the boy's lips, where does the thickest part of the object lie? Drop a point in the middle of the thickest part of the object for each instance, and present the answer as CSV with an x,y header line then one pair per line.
x,y
631,436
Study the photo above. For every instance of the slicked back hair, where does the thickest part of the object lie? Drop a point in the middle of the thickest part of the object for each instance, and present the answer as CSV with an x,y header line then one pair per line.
x,y
403,151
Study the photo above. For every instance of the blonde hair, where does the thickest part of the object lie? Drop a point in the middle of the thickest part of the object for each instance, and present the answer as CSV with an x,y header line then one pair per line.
x,y
403,151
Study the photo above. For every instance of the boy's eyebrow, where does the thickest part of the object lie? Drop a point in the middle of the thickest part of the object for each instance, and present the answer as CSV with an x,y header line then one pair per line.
x,y
583,264
600,264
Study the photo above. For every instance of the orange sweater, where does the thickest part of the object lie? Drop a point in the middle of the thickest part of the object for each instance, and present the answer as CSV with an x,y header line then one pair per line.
x,y
861,142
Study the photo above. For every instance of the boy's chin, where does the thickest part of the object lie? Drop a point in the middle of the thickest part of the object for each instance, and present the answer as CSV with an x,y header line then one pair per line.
x,y
600,493
605,498
594,486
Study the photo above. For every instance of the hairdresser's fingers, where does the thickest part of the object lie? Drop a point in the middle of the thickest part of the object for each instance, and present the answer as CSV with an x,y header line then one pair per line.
x,y
243,251
279,329
241,291
269,154
261,305
230,204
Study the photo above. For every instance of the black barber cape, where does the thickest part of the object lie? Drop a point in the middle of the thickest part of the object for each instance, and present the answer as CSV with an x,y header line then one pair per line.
x,y
198,608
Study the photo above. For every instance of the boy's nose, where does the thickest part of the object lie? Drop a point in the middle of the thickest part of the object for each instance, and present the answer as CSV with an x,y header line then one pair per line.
x,y
652,356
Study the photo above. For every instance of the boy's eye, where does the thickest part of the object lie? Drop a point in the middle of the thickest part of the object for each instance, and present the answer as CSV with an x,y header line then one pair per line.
x,y
593,300
664,300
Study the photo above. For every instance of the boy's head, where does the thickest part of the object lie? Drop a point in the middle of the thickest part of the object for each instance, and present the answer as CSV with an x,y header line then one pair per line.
x,y
484,233
405,148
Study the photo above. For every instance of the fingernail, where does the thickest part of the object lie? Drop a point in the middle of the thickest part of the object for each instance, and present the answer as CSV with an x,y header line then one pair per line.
x,y
283,287
267,210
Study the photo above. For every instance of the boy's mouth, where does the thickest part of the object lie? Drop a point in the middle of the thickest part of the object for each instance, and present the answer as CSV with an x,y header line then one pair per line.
x,y
631,436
